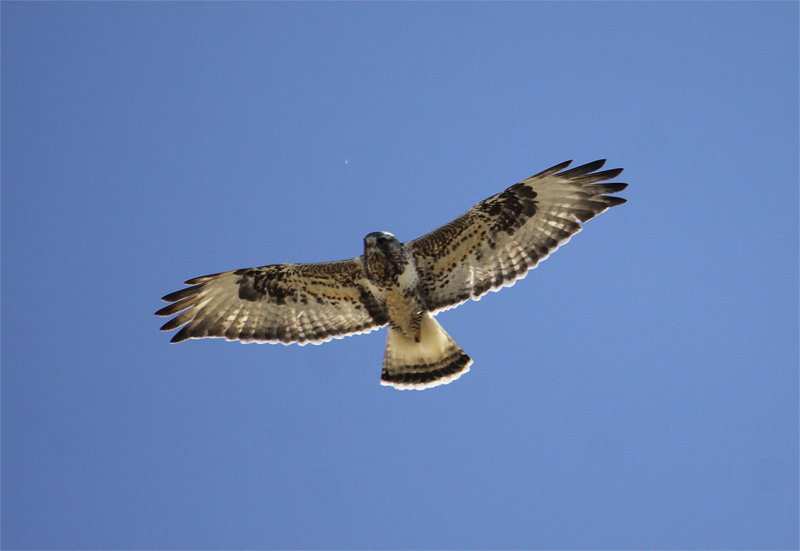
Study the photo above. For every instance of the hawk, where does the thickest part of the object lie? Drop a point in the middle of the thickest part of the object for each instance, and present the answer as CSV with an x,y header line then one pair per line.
x,y
403,285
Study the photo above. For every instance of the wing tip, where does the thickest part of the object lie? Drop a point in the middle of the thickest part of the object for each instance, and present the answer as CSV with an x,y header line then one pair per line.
x,y
182,335
202,279
552,170
582,170
589,170
181,294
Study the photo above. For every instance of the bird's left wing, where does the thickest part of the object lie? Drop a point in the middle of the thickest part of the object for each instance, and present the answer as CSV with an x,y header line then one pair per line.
x,y
279,303
498,240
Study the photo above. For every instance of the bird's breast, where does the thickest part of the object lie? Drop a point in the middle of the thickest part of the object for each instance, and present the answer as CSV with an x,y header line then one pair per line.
x,y
400,293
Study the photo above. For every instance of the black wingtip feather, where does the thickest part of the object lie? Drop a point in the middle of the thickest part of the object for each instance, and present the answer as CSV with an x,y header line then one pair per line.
x,y
180,295
178,306
552,169
172,324
606,174
602,189
165,311
181,335
201,279
583,169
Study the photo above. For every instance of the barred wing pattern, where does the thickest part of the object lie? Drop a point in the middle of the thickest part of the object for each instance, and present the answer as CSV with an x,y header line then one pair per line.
x,y
285,303
501,238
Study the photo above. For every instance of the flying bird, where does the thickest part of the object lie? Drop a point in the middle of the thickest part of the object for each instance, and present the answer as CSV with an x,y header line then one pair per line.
x,y
403,285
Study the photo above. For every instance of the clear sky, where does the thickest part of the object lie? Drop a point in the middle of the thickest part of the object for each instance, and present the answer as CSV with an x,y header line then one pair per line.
x,y
638,390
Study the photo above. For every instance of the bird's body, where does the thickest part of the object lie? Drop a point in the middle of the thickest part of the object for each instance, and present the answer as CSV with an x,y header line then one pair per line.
x,y
400,284
418,351
392,274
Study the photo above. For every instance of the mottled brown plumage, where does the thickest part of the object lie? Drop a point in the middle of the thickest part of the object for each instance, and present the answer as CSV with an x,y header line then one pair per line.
x,y
492,245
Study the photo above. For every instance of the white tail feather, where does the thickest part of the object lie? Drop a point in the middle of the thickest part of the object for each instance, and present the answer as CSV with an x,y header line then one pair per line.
x,y
435,360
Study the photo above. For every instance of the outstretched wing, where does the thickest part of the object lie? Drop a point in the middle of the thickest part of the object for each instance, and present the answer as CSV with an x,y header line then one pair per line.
x,y
279,303
498,240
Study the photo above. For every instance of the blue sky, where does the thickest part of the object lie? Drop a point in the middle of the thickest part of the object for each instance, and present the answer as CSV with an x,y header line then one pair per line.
x,y
638,390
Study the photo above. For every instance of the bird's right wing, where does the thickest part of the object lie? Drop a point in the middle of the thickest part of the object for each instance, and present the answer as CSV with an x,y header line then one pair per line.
x,y
279,303
498,240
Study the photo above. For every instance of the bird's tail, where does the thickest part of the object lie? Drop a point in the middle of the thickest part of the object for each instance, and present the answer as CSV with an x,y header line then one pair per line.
x,y
435,360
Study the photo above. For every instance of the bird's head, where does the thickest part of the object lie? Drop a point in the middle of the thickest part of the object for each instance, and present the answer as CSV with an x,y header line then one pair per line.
x,y
384,256
380,242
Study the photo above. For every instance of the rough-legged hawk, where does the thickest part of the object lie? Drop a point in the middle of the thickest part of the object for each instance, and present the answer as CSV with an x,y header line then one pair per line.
x,y
403,285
